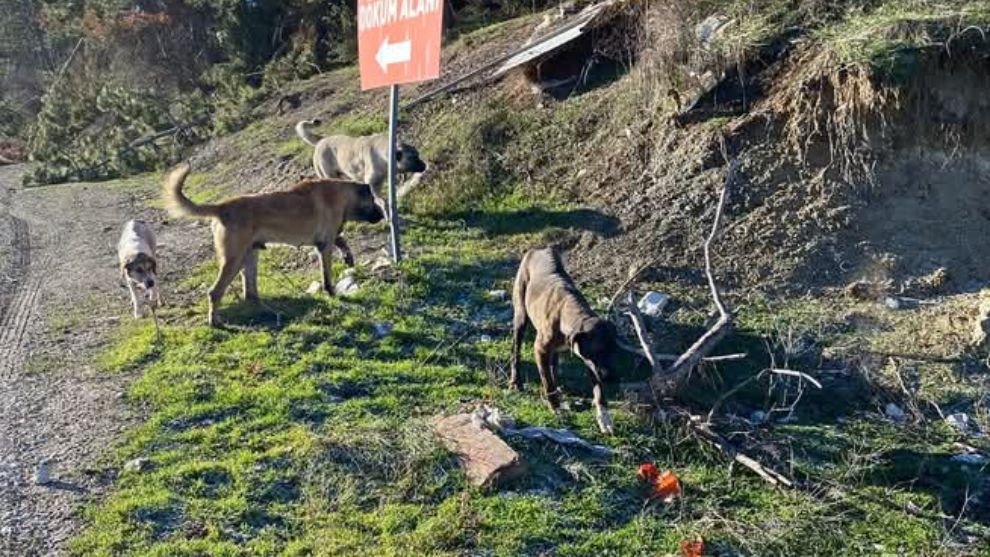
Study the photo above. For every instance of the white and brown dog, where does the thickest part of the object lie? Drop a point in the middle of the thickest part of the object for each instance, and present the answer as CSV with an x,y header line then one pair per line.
x,y
139,265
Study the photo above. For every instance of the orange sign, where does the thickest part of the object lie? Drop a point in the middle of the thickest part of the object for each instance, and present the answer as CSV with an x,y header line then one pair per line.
x,y
399,41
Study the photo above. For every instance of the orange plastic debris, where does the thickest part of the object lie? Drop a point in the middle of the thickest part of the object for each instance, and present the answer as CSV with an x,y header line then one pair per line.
x,y
693,548
662,485
648,472
667,486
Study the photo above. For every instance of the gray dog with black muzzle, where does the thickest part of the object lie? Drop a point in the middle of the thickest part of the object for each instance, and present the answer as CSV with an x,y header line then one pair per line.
x,y
545,296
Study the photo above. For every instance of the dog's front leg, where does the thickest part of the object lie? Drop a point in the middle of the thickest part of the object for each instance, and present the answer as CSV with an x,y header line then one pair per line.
x,y
345,251
136,300
544,358
326,254
601,410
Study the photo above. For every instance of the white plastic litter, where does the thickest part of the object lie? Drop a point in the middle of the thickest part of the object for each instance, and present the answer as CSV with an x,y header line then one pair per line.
x,y
314,287
497,295
494,419
347,285
758,417
894,412
960,422
652,303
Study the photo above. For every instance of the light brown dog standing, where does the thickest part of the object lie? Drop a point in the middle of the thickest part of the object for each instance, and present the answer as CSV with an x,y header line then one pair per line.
x,y
312,212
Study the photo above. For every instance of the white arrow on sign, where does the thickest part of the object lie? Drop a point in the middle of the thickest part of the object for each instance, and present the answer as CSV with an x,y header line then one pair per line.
x,y
393,53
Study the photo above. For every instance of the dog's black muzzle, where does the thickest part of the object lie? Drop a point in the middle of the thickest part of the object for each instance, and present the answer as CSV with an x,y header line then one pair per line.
x,y
149,283
374,215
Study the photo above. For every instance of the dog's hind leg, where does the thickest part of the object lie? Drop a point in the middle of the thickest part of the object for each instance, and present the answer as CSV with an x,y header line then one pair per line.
x,y
136,301
230,256
249,276
519,321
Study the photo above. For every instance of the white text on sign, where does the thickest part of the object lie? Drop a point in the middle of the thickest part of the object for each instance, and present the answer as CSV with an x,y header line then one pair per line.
x,y
383,12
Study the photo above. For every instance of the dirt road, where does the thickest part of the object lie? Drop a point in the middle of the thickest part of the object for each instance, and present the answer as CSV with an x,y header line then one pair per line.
x,y
59,296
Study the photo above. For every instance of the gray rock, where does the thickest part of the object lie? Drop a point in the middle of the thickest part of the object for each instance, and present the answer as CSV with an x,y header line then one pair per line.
x,y
42,474
383,329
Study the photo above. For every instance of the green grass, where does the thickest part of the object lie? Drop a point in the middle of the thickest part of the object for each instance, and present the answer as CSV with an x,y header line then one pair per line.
x,y
300,431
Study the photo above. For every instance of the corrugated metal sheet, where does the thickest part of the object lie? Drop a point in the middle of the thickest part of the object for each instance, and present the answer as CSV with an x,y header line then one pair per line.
x,y
555,39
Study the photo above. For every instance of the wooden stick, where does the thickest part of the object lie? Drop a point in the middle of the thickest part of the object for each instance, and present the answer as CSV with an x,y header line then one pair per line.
x,y
642,334
721,443
673,357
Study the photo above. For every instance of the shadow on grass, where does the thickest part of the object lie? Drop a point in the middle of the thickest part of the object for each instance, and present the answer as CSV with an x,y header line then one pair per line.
x,y
535,219
271,312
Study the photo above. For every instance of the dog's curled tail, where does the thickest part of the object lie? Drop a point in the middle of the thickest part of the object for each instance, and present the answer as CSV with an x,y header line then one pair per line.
x,y
177,203
304,132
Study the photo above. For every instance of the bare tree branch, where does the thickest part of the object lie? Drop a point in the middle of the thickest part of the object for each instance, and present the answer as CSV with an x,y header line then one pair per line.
x,y
670,379
642,334
730,450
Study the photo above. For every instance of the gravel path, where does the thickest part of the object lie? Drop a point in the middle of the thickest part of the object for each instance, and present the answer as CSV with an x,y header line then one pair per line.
x,y
59,296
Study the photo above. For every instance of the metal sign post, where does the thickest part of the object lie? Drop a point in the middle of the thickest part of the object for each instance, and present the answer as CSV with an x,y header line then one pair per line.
x,y
393,204
398,42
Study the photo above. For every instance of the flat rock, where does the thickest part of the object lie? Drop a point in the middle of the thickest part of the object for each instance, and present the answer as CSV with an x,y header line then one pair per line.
x,y
487,459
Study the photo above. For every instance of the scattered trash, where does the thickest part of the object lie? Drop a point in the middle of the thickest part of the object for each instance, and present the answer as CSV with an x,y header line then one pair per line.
x,y
663,485
898,303
710,29
960,422
485,338
314,287
137,465
381,263
693,548
347,285
894,412
42,474
498,421
497,295
383,329
652,303
758,417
